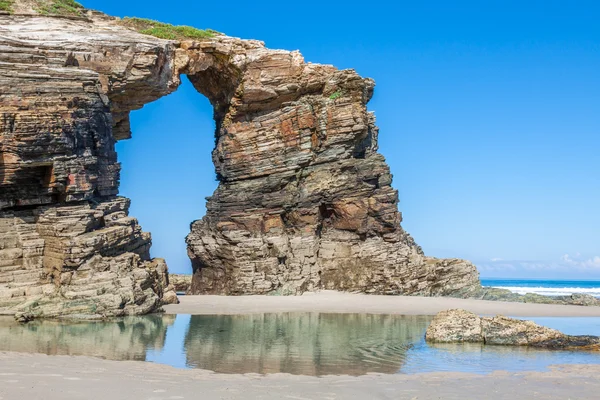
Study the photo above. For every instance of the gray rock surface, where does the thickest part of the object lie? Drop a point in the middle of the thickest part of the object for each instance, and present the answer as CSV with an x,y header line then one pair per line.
x,y
181,283
460,326
491,293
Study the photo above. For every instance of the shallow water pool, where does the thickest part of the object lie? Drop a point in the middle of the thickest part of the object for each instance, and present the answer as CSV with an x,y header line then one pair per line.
x,y
295,343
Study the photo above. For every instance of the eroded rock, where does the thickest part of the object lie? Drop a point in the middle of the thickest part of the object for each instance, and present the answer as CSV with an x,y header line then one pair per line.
x,y
181,283
460,326
455,326
304,202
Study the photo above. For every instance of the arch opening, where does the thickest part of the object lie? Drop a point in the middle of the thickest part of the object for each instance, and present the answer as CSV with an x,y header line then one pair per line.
x,y
167,169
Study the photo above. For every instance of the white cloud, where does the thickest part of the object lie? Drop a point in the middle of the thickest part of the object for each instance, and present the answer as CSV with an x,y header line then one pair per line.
x,y
579,262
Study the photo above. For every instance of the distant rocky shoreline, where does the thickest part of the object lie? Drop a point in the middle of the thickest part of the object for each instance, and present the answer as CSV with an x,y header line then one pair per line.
x,y
182,282
496,294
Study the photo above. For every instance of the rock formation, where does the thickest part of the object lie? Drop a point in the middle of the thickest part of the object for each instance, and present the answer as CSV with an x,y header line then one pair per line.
x,y
181,283
304,200
67,244
497,294
460,326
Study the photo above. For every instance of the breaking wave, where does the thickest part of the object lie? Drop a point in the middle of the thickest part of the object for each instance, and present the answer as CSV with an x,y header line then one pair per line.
x,y
552,291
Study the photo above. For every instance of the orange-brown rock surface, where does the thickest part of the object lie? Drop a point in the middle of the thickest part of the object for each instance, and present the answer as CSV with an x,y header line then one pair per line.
x,y
304,200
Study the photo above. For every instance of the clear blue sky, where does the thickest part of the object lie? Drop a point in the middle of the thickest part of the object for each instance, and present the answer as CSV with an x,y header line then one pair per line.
x,y
489,114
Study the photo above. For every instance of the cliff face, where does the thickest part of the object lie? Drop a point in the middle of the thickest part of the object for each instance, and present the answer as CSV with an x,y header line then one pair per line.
x,y
67,244
304,200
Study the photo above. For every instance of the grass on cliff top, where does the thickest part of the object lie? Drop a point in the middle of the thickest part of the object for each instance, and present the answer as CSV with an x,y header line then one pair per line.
x,y
59,7
6,5
167,31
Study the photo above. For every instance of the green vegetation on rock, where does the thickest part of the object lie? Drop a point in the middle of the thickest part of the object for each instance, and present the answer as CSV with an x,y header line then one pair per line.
x,y
59,7
167,31
6,5
336,95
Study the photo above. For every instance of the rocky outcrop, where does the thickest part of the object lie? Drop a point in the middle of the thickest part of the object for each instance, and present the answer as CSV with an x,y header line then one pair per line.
x,y
497,294
460,326
181,283
67,244
304,201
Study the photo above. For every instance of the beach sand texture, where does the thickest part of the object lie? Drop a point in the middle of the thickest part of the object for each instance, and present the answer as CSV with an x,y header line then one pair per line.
x,y
37,377
339,302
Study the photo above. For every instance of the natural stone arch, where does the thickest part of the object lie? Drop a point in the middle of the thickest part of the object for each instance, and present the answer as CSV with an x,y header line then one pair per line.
x,y
304,200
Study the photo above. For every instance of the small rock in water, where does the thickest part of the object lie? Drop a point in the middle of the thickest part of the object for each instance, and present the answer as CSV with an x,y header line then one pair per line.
x,y
582,299
461,326
23,317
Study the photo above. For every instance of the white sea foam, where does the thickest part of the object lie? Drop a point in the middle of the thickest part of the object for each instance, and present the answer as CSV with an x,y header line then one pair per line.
x,y
552,291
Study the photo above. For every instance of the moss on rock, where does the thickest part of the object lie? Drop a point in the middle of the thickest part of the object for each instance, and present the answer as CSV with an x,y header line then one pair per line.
x,y
7,6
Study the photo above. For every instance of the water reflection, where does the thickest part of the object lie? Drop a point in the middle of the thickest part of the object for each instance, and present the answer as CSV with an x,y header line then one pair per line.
x,y
306,344
483,359
296,343
125,339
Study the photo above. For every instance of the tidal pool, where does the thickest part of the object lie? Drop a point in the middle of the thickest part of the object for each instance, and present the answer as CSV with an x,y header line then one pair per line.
x,y
295,343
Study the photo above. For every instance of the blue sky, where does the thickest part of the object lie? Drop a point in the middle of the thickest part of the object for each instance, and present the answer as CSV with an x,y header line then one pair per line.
x,y
489,114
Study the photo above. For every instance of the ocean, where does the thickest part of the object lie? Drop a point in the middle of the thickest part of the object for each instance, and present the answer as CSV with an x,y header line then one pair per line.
x,y
550,287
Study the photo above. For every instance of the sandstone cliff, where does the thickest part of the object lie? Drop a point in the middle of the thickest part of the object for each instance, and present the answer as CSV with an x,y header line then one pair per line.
x,y
304,200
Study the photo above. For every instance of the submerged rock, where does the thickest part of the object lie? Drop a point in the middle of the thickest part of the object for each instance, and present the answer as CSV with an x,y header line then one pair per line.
x,y
460,326
23,317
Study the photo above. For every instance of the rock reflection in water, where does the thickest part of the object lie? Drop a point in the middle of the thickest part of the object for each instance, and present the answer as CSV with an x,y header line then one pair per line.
x,y
123,339
306,344
296,343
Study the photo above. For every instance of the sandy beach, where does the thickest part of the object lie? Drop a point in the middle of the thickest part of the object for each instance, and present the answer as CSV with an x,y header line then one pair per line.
x,y
59,377
36,376
338,302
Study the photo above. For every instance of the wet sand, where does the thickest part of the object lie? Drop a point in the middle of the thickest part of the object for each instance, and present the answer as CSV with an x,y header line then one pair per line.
x,y
336,302
36,376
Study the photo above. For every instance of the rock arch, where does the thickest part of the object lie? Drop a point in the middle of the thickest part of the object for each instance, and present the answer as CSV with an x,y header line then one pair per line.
x,y
304,200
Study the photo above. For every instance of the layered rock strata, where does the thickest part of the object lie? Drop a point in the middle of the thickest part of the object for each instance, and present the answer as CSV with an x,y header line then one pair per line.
x,y
304,201
67,244
460,326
